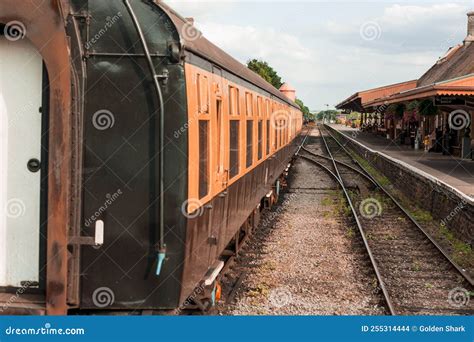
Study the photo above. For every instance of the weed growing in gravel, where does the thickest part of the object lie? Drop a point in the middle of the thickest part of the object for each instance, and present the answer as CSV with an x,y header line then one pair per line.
x,y
388,237
421,216
350,233
327,214
416,266
462,252
326,201
384,181
260,289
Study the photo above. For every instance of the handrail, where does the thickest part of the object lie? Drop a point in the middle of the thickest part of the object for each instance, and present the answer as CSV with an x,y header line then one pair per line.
x,y
161,248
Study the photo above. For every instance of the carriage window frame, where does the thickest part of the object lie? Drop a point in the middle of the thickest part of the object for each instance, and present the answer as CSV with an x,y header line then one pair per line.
x,y
203,96
234,103
235,119
249,145
204,180
259,139
249,104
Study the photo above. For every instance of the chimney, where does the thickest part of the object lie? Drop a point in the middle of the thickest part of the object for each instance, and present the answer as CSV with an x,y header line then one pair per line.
x,y
190,20
470,28
289,91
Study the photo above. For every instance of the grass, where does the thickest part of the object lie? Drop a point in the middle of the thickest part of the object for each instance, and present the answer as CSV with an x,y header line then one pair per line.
x,y
326,201
350,233
261,289
340,205
462,252
384,181
388,237
421,216
416,266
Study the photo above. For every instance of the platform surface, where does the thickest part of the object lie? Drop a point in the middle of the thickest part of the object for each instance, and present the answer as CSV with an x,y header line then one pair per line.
x,y
456,172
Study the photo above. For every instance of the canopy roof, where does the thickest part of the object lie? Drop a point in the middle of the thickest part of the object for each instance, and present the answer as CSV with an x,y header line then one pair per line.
x,y
358,101
460,87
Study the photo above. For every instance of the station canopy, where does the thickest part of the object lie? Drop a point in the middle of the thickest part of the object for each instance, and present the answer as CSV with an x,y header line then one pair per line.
x,y
450,81
360,100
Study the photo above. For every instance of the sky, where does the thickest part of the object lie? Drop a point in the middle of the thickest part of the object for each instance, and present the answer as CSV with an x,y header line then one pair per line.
x,y
329,50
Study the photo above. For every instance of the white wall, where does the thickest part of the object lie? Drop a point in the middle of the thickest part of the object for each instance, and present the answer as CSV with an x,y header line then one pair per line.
x,y
20,140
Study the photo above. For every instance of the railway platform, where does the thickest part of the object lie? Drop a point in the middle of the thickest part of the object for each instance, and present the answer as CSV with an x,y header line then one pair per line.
x,y
455,172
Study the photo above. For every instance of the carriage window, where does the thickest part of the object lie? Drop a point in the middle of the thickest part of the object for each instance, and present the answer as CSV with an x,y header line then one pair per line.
x,y
203,158
203,93
268,137
249,143
234,101
260,139
275,134
249,104
259,107
234,148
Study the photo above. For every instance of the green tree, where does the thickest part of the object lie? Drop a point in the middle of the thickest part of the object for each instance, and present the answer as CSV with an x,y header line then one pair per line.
x,y
270,75
265,71
327,114
306,112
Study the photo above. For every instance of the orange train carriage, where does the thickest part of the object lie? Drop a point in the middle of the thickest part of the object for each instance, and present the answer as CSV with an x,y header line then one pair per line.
x,y
155,149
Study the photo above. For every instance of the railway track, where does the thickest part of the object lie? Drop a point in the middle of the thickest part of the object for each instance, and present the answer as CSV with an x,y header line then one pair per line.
x,y
254,254
247,258
414,274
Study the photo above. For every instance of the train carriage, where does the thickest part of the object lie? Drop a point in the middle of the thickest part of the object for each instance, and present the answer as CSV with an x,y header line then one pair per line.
x,y
150,152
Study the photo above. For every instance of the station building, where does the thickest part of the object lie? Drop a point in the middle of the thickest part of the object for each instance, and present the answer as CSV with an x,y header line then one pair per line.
x,y
435,112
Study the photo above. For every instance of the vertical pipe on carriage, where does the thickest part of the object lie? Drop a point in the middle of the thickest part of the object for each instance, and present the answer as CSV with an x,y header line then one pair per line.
x,y
161,248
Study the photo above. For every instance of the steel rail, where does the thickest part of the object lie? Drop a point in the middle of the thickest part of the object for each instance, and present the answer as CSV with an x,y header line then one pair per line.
x,y
462,271
339,180
362,233
343,164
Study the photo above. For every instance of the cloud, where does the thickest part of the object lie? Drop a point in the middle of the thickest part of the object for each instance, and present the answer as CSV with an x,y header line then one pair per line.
x,y
200,9
404,28
285,52
320,50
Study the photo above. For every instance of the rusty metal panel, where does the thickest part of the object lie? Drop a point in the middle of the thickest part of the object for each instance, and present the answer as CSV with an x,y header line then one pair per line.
x,y
43,24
